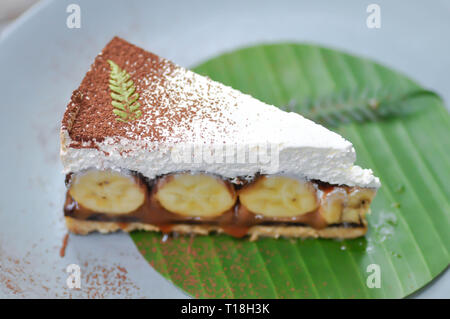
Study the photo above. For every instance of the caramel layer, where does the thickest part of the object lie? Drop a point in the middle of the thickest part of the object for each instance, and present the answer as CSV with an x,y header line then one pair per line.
x,y
235,222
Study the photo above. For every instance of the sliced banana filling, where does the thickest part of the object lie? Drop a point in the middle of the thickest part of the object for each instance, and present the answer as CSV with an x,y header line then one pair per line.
x,y
195,195
332,205
279,196
205,199
107,192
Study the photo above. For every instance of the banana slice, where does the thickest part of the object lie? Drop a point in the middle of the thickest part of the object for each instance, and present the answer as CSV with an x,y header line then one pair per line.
x,y
279,196
359,200
360,197
107,192
332,205
197,195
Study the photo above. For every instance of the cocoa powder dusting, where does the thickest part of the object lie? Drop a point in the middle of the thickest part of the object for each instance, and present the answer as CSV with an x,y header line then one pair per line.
x,y
62,251
171,99
107,282
20,277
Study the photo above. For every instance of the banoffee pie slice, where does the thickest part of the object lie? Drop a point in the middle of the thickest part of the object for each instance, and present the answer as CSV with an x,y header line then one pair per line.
x,y
149,145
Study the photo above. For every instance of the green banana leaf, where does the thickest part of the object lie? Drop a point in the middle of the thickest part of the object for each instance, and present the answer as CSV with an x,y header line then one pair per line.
x,y
409,232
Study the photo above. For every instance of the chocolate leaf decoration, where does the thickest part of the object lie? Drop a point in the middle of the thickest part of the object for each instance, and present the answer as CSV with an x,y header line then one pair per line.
x,y
124,95
408,238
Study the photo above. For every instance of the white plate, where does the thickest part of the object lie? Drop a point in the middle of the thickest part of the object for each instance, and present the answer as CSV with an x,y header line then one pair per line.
x,y
42,62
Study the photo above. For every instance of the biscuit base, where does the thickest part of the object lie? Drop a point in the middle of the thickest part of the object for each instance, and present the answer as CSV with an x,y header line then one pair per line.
x,y
84,227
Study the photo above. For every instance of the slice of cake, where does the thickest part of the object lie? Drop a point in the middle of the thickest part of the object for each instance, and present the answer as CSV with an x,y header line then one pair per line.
x,y
149,145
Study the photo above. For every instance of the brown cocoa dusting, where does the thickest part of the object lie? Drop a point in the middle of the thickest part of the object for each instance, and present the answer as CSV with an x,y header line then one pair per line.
x,y
106,282
62,251
19,278
89,115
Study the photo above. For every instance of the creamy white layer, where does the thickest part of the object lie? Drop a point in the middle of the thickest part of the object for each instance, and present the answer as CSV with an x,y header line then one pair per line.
x,y
332,165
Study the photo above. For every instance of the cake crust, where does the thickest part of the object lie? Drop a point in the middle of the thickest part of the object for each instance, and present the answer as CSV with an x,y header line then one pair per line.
x,y
84,227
